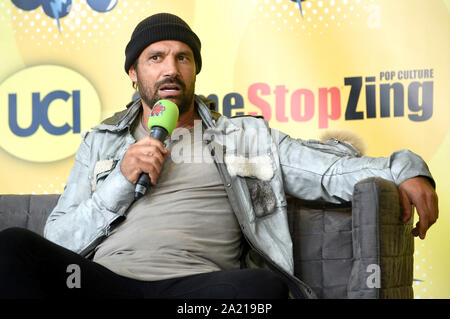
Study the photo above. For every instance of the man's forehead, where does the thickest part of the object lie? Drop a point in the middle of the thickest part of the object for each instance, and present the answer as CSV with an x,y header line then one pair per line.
x,y
169,45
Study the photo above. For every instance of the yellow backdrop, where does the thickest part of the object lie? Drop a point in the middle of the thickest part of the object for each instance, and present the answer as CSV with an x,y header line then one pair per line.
x,y
377,67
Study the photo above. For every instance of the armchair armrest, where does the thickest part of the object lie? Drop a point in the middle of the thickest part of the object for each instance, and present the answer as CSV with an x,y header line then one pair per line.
x,y
376,202
354,250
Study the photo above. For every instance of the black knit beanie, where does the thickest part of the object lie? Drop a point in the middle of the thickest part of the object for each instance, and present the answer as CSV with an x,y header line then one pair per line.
x,y
159,27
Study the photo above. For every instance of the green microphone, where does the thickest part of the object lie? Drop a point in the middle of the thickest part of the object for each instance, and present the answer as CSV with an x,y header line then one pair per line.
x,y
162,121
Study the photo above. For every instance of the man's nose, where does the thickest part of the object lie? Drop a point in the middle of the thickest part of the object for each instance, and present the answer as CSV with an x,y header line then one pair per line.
x,y
170,67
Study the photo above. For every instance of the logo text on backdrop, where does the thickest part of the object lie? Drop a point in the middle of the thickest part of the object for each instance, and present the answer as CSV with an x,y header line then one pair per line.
x,y
397,90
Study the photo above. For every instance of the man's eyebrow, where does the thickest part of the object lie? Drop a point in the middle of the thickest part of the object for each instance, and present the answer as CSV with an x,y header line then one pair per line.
x,y
162,52
187,52
155,52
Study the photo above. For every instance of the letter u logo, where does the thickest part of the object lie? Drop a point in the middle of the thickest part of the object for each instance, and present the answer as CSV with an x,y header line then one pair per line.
x,y
12,119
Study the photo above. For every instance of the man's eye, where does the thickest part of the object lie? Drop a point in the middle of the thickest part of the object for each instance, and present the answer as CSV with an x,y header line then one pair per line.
x,y
154,58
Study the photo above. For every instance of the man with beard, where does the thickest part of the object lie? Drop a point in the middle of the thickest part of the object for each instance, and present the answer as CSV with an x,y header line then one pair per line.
x,y
184,238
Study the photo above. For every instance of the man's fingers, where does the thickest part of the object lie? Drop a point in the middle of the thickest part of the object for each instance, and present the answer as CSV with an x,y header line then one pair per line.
x,y
152,164
405,206
153,173
433,206
415,230
152,154
145,156
424,223
419,192
420,229
151,141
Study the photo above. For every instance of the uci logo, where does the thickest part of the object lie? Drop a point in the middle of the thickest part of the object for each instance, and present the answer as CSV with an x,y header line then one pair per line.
x,y
43,110
40,113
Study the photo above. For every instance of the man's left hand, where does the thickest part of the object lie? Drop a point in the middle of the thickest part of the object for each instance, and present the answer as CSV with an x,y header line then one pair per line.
x,y
418,191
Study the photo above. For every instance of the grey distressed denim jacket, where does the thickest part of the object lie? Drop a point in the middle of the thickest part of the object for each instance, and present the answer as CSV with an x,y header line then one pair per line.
x,y
258,166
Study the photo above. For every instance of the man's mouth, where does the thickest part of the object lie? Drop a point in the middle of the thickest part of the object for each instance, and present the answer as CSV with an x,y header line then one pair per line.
x,y
170,88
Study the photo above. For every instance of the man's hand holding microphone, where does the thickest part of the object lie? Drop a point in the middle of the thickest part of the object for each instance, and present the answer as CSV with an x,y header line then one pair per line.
x,y
143,160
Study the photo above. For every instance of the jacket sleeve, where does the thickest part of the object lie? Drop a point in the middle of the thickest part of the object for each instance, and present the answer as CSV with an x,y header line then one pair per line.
x,y
81,215
326,171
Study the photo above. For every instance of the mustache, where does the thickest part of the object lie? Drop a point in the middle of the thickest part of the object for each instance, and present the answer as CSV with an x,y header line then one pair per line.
x,y
170,81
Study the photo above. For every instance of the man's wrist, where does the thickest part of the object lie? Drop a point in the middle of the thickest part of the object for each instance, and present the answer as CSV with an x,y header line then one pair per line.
x,y
116,192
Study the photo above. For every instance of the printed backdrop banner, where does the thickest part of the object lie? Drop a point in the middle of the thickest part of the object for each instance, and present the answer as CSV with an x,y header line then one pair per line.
x,y
376,67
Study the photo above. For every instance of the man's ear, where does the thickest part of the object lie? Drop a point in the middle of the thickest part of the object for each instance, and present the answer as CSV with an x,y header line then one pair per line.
x,y
132,73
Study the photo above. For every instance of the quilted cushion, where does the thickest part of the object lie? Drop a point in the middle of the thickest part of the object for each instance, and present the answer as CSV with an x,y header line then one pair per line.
x,y
27,211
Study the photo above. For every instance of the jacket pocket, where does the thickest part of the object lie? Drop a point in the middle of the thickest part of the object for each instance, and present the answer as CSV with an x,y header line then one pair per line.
x,y
101,170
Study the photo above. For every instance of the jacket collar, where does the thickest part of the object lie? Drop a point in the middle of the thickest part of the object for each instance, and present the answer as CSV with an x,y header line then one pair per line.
x,y
123,119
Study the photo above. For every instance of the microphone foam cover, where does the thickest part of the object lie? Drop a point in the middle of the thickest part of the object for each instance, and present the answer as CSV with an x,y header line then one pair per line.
x,y
164,114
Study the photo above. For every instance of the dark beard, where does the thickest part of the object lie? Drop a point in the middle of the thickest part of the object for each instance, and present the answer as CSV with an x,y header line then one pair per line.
x,y
183,105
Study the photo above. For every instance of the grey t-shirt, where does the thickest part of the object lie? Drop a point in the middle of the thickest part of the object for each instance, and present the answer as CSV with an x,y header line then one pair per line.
x,y
183,226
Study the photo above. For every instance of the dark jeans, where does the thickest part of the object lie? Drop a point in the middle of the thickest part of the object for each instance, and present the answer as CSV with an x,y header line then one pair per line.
x,y
34,267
